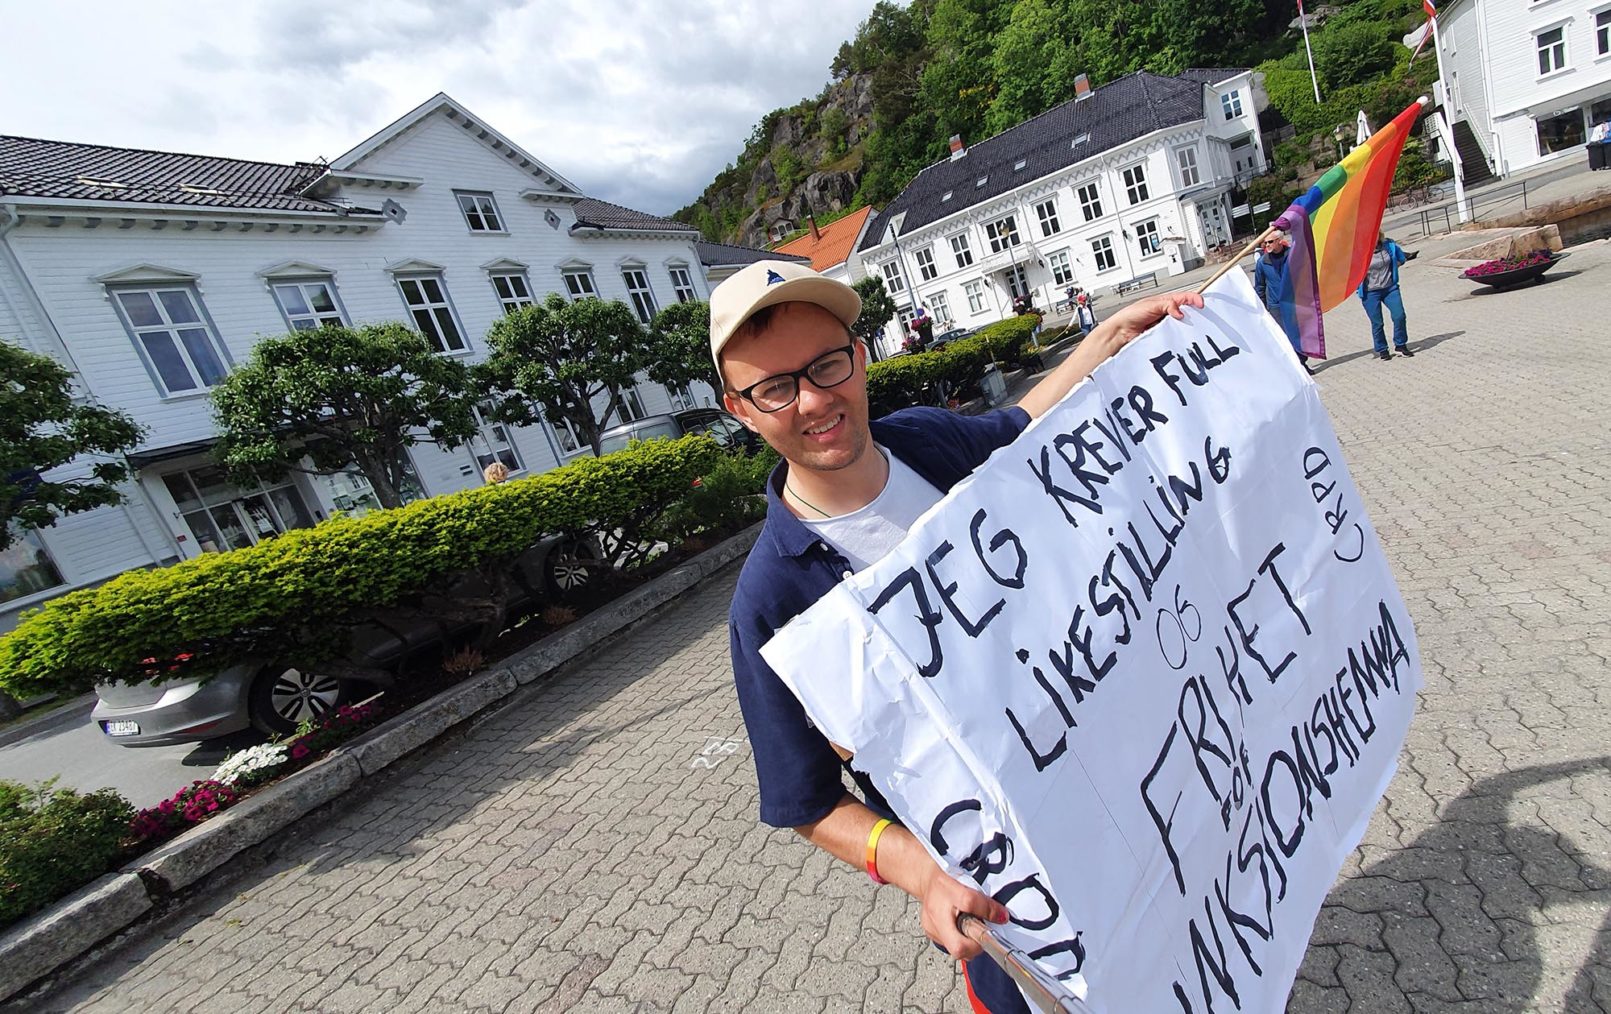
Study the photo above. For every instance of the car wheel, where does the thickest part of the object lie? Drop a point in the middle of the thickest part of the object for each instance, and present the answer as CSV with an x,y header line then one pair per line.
x,y
569,566
283,697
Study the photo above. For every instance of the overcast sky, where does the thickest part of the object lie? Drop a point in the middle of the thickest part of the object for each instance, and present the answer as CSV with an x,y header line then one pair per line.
x,y
636,102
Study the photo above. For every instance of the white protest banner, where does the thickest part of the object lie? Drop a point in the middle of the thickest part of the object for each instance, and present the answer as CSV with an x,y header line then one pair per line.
x,y
1143,677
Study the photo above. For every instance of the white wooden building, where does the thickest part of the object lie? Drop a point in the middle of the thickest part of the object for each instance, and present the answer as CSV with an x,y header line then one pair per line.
x,y
1124,181
1529,79
150,274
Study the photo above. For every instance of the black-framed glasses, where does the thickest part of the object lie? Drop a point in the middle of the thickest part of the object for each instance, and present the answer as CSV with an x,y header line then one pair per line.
x,y
778,392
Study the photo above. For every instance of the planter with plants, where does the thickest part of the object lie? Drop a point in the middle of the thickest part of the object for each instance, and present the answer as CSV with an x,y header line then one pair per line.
x,y
1503,272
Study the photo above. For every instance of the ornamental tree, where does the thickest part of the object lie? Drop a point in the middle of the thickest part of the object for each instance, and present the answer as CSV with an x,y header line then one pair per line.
x,y
325,400
556,357
42,427
679,346
876,310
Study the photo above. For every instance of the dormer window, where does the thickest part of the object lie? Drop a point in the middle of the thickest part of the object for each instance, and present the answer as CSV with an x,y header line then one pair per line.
x,y
1080,139
480,211
981,182
945,197
1019,165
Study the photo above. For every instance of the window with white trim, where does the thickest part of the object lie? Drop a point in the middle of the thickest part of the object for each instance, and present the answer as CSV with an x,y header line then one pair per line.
x,y
1186,159
939,306
925,264
579,283
1231,103
308,305
1102,253
1046,211
1602,33
1551,50
1017,281
961,250
894,280
427,301
682,397
1003,234
173,336
565,435
26,567
628,405
1090,195
492,443
1147,241
513,289
974,290
682,285
1135,182
1062,267
222,515
480,211
637,285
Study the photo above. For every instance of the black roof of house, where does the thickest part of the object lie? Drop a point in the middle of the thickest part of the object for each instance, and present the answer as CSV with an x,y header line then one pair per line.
x,y
1116,113
726,254
30,167
604,215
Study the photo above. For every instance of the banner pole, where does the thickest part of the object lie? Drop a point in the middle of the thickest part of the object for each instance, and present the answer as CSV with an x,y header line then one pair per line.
x,y
1225,268
1046,994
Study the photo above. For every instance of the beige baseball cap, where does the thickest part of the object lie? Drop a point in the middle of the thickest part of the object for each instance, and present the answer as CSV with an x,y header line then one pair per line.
x,y
768,283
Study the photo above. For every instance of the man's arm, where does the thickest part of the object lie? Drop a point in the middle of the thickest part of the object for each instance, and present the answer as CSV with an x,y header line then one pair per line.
x,y
903,862
1109,337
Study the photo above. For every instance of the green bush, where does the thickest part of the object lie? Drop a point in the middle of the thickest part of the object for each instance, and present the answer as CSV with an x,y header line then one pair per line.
x,y
54,841
914,379
730,495
295,597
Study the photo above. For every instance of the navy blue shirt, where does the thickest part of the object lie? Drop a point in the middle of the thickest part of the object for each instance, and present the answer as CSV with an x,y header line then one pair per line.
x,y
789,569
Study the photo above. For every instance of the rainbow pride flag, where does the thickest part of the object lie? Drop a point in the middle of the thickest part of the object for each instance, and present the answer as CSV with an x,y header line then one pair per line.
x,y
1334,227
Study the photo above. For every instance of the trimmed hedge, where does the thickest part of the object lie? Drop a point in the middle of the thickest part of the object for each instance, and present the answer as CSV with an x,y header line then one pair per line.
x,y
908,380
54,841
299,593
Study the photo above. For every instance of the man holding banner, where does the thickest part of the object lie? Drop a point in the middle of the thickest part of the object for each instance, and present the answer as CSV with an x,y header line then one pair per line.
x,y
845,494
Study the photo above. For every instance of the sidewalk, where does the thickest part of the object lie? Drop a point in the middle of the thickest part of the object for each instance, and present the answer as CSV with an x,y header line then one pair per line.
x,y
594,846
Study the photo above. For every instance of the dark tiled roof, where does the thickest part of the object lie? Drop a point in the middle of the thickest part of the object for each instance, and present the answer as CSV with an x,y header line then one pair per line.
x,y
713,255
1118,112
33,168
604,215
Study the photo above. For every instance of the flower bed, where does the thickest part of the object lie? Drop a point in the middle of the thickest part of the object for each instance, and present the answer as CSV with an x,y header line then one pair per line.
x,y
1505,265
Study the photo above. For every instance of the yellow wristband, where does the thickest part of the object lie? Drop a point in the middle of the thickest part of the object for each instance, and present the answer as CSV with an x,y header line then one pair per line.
x,y
872,851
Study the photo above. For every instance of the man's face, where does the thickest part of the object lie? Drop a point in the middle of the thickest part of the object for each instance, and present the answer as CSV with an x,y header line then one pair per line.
x,y
823,430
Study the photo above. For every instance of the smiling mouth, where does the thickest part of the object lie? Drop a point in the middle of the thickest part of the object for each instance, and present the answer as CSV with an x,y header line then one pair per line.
x,y
826,428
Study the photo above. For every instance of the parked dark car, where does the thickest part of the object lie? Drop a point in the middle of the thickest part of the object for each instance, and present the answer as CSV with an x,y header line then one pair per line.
x,y
956,333
721,427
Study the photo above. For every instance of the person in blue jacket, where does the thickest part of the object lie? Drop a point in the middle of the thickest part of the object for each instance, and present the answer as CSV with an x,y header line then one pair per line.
x,y
1379,289
1269,279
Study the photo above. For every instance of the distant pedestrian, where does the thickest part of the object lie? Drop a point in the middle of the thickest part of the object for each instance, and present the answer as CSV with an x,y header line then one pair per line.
x,y
1269,281
1379,289
1084,314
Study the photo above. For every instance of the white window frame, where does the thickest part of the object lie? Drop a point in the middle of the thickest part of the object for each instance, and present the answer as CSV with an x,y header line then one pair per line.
x,y
926,269
565,433
209,344
513,280
313,319
1149,241
1186,163
1003,233
894,277
26,543
682,284
1134,177
682,397
1090,198
1046,211
636,279
939,305
628,404
437,311
1602,31
579,283
480,208
1231,103
1557,52
1102,249
975,292
493,442
1061,267
235,501
962,250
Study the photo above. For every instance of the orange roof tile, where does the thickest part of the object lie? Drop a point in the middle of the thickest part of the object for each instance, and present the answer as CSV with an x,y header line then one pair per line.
x,y
833,246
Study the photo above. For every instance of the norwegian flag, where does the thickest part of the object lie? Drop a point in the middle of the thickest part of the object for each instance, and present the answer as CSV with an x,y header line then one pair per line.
x,y
1426,5
1419,37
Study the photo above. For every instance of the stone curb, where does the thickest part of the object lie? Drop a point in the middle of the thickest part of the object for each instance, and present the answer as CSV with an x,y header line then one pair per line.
x,y
36,947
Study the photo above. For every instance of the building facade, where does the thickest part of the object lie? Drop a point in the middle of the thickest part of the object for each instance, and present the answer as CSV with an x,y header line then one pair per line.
x,y
151,274
1529,78
1124,181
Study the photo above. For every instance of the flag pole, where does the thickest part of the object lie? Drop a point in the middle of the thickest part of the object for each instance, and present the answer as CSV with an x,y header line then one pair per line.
x,y
1462,209
1303,22
1225,269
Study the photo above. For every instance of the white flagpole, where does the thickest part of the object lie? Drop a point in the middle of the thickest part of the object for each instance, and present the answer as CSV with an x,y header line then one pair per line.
x,y
1461,207
1303,21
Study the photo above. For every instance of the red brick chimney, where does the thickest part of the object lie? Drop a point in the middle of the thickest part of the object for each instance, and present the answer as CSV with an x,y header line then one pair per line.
x,y
1082,87
957,148
815,232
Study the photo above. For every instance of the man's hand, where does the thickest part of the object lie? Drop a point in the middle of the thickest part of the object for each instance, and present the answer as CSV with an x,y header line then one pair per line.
x,y
1109,337
943,898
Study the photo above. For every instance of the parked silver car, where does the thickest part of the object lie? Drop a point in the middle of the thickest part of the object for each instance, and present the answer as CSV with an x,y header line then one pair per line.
x,y
275,697
718,425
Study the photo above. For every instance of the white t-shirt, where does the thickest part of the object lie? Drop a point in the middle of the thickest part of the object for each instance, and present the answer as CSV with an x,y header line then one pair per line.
x,y
867,535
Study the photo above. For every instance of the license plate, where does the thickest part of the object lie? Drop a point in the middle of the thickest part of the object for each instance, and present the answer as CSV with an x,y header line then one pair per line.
x,y
121,728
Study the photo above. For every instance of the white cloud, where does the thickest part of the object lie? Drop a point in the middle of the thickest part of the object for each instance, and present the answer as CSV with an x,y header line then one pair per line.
x,y
637,102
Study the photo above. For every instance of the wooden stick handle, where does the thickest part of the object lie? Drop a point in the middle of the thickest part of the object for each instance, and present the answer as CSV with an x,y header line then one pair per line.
x,y
1224,269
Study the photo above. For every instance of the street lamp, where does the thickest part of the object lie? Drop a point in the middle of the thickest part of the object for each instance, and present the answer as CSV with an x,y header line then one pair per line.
x,y
1340,134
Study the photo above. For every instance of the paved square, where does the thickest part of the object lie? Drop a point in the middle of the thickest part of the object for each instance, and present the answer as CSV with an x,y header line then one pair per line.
x,y
594,847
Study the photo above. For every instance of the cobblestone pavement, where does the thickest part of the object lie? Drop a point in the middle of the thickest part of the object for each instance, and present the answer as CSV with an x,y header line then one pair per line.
x,y
594,847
